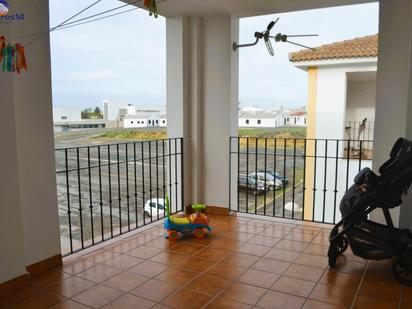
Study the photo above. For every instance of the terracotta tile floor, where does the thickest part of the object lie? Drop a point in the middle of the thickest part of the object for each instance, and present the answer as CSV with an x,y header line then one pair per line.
x,y
245,263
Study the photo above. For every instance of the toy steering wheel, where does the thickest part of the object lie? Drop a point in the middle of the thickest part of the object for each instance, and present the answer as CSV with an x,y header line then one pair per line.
x,y
198,207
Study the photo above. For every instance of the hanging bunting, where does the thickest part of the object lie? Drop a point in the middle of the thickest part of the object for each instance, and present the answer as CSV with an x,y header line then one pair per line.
x,y
151,5
12,57
2,46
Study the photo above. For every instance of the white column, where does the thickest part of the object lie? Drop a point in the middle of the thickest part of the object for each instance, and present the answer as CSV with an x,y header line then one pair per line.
x,y
202,98
29,224
11,232
220,114
394,89
35,138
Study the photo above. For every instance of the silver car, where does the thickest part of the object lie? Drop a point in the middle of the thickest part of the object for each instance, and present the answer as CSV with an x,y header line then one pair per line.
x,y
272,183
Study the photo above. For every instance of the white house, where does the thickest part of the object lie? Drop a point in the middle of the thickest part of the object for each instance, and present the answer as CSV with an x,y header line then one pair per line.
x,y
163,120
341,106
259,118
342,86
144,118
295,118
135,121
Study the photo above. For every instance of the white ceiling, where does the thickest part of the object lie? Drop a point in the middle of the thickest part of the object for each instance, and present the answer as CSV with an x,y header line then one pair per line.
x,y
362,76
243,8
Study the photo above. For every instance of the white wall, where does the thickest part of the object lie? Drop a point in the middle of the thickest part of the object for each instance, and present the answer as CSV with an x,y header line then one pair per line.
x,y
220,99
332,98
295,121
361,98
345,167
35,138
331,107
394,89
29,226
12,261
62,114
134,123
163,122
264,122
202,98
153,121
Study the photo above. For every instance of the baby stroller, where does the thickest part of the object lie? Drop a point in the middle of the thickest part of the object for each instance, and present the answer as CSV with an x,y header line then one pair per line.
x,y
368,239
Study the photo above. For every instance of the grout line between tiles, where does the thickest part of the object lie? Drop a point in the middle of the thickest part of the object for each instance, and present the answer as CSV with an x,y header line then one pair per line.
x,y
359,286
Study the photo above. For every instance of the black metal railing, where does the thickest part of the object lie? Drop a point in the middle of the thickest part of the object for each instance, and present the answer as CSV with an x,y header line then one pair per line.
x,y
359,130
107,190
301,179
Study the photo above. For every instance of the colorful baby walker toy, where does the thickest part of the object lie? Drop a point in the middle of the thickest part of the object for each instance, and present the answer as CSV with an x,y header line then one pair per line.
x,y
197,223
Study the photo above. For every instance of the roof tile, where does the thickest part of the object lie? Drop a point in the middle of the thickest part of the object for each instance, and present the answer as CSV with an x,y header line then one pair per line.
x,y
356,48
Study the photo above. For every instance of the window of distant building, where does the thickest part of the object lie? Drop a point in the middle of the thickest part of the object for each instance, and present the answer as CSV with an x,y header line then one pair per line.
x,y
164,121
131,122
295,120
304,120
259,121
247,121
150,121
157,121
64,117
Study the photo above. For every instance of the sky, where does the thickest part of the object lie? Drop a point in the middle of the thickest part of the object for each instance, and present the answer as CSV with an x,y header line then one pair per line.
x,y
123,58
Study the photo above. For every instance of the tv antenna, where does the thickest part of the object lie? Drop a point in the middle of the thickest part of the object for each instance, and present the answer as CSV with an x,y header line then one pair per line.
x,y
265,35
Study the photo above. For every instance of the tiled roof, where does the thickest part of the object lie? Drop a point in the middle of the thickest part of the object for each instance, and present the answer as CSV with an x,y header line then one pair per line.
x,y
357,48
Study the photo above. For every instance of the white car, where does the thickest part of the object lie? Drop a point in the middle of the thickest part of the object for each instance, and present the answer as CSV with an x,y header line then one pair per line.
x,y
153,206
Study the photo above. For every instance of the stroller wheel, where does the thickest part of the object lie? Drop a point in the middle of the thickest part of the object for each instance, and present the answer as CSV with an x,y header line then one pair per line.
x,y
332,254
342,245
402,268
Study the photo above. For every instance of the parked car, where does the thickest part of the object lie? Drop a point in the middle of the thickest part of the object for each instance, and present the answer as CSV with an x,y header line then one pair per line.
x,y
275,174
272,183
154,205
249,184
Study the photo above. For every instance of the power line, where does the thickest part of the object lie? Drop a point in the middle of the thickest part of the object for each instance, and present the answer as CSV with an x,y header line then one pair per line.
x,y
75,15
101,13
64,22
93,20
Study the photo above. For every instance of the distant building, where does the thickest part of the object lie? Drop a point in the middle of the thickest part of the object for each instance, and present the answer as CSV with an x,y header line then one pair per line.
x,y
135,121
114,116
260,118
295,118
142,118
69,118
82,124
342,87
163,120
341,105
66,114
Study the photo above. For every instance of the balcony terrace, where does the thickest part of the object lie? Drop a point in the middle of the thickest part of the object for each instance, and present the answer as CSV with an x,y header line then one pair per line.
x,y
115,259
246,262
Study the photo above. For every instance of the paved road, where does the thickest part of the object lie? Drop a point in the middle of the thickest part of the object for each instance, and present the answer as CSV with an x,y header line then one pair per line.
x,y
108,188
105,187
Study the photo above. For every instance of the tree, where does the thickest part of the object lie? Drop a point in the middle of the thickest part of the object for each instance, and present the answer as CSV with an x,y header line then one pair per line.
x,y
90,113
